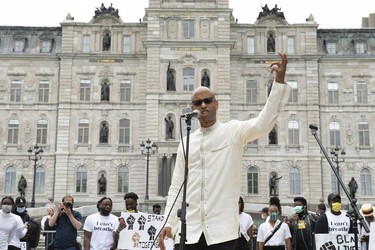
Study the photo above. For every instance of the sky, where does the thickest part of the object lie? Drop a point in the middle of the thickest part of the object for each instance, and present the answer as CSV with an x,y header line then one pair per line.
x,y
50,13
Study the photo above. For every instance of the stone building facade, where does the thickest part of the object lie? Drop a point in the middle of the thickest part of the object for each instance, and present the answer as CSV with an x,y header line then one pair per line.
x,y
60,86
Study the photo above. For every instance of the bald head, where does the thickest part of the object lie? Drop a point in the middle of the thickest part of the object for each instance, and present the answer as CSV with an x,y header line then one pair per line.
x,y
201,89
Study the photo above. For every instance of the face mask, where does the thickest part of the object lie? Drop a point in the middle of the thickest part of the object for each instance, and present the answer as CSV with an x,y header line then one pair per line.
x,y
336,207
6,208
20,210
298,209
273,216
131,211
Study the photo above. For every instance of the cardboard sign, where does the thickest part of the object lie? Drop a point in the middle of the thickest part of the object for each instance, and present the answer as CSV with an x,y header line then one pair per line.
x,y
334,241
141,231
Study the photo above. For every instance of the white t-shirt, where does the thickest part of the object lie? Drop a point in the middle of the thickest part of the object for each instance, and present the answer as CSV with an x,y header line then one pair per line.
x,y
338,224
278,239
101,228
246,221
11,226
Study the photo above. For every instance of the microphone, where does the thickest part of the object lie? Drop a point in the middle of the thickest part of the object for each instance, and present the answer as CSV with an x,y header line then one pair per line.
x,y
313,127
195,113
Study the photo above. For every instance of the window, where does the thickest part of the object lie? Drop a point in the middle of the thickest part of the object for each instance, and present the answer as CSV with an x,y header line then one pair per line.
x,y
188,79
364,134
83,131
291,45
13,128
252,180
250,45
46,46
359,48
43,91
40,180
124,131
81,179
361,92
188,28
331,48
127,44
294,94
41,132
19,46
334,134
86,44
251,91
123,179
294,181
84,90
125,90
334,181
366,182
165,172
10,180
15,91
333,93
293,132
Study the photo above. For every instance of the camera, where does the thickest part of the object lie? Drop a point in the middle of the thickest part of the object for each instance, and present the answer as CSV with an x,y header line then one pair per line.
x,y
68,205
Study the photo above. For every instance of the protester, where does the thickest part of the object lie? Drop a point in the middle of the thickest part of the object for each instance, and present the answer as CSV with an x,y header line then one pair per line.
x,y
321,209
334,221
264,213
102,229
273,234
67,222
367,211
215,168
156,208
32,235
247,227
49,234
131,202
302,226
11,225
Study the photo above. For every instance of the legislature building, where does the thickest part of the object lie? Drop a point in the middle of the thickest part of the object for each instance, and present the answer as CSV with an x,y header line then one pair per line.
x,y
89,94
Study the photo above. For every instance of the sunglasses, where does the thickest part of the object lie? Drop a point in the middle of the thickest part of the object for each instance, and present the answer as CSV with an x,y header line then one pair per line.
x,y
206,100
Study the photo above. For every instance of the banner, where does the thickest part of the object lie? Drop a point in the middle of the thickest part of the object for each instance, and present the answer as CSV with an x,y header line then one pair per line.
x,y
334,242
141,231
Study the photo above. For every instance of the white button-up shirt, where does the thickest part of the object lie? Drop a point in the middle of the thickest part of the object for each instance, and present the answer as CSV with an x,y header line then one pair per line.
x,y
214,179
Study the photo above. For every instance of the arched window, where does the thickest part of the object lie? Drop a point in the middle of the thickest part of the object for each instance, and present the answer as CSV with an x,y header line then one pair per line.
x,y
123,179
334,134
366,182
40,180
10,180
294,181
252,180
81,179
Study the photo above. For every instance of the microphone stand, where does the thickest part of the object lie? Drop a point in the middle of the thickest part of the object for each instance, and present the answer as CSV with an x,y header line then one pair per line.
x,y
354,215
182,212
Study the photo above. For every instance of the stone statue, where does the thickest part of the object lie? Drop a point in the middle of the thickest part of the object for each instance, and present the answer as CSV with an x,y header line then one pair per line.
x,y
169,126
103,135
273,184
22,184
205,80
353,186
270,43
105,92
170,79
106,42
102,184
272,136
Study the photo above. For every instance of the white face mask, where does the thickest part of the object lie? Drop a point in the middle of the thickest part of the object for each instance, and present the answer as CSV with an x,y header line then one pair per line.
x,y
6,208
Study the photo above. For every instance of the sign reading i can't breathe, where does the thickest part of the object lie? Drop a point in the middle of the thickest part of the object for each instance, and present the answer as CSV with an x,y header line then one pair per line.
x,y
334,242
141,231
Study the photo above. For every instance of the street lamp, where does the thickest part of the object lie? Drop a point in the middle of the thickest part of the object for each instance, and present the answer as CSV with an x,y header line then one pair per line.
x,y
35,154
148,149
335,152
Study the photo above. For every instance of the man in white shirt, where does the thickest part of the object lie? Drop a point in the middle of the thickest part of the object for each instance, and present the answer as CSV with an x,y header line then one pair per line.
x,y
215,168
101,230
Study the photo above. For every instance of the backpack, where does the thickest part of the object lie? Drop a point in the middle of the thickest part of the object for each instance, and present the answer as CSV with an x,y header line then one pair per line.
x,y
34,233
